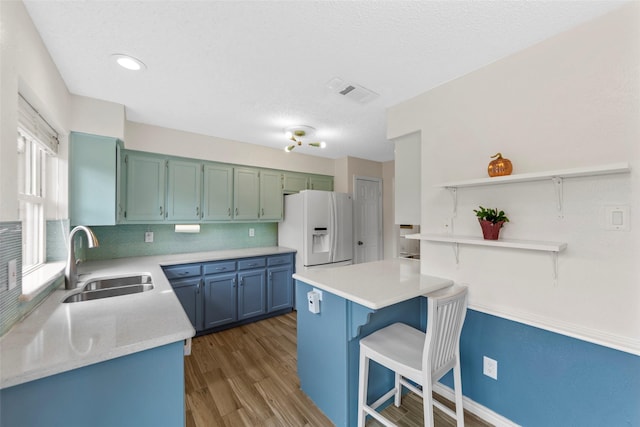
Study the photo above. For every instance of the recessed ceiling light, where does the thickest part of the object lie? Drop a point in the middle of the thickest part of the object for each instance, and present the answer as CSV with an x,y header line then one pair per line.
x,y
129,62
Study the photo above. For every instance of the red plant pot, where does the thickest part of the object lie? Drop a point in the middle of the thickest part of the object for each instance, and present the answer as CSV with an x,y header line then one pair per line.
x,y
490,231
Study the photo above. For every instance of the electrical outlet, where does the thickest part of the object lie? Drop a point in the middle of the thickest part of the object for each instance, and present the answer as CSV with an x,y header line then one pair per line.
x,y
148,237
490,367
252,232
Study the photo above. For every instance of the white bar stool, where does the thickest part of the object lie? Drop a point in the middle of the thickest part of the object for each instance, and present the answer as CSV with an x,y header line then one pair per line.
x,y
422,358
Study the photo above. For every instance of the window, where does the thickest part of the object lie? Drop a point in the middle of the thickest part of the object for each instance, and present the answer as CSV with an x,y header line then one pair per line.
x,y
37,147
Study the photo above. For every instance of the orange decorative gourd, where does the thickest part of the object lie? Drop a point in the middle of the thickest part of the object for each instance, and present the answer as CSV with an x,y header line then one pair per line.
x,y
499,166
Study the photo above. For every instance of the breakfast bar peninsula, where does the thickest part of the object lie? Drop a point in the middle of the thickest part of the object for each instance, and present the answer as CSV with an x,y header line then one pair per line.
x,y
354,301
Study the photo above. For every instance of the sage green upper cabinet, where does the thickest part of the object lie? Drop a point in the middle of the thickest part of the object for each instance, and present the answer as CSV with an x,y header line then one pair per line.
x,y
145,189
319,182
183,190
271,201
217,200
294,182
246,192
94,179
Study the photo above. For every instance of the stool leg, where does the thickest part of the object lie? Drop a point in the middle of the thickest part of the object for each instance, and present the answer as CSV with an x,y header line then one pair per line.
x,y
457,385
427,401
362,388
398,395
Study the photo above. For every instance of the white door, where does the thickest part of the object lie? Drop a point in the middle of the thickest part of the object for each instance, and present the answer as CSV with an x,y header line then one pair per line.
x,y
367,203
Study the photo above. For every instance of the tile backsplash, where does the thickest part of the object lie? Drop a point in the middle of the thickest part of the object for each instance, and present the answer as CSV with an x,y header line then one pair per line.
x,y
10,248
122,241
12,308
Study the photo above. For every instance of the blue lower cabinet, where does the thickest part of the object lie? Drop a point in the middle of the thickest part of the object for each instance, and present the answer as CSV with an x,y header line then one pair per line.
x,y
279,289
224,293
252,295
220,300
140,389
188,293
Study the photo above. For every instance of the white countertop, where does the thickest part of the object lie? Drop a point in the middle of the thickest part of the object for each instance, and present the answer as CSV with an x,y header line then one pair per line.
x,y
59,337
374,284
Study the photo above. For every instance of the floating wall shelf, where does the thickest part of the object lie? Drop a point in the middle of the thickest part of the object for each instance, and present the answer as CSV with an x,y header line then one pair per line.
x,y
533,245
556,178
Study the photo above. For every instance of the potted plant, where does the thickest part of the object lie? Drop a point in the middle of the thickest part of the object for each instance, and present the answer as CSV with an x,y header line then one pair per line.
x,y
491,221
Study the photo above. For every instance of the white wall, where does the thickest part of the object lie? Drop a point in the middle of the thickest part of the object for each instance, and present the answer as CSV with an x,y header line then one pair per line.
x,y
97,117
27,67
570,101
157,139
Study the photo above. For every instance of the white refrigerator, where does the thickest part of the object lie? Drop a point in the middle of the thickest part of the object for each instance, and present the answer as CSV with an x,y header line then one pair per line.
x,y
319,226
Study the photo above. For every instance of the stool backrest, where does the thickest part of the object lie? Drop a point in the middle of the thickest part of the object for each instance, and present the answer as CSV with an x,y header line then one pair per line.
x,y
446,313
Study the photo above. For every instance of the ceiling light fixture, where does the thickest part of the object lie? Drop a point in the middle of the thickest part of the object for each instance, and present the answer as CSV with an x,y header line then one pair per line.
x,y
296,133
128,62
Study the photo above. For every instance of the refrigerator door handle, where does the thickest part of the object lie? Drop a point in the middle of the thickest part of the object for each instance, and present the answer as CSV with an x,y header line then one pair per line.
x,y
334,227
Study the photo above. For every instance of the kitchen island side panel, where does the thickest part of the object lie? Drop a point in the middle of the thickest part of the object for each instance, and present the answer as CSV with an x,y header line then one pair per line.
x,y
328,349
141,389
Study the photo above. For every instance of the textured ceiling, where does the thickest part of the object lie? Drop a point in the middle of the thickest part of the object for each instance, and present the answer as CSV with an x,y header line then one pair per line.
x,y
244,70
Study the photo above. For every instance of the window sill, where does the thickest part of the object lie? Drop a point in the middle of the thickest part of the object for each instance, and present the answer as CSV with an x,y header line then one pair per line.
x,y
38,280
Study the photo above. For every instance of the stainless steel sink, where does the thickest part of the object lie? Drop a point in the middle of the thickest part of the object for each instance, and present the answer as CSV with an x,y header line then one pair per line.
x,y
116,282
112,287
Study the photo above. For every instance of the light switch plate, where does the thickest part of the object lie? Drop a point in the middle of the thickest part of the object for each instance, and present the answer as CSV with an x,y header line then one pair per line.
x,y
252,232
616,218
148,237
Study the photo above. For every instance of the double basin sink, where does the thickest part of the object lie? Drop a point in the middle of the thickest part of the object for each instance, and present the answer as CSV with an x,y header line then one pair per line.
x,y
111,287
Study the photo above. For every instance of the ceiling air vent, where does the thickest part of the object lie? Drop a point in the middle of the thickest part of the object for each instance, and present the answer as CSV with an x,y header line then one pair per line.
x,y
355,92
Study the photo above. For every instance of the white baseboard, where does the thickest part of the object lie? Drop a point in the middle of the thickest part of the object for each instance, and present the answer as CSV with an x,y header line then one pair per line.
x,y
480,411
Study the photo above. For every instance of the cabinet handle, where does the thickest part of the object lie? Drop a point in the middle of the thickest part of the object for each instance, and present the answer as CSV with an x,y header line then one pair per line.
x,y
219,268
234,282
241,281
160,210
198,289
229,212
262,214
198,211
184,273
270,274
236,211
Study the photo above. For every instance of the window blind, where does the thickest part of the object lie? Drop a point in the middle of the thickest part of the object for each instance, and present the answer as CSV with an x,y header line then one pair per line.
x,y
32,126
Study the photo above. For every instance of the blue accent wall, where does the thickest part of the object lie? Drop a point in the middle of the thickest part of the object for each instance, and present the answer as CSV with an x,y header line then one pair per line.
x,y
547,379
122,241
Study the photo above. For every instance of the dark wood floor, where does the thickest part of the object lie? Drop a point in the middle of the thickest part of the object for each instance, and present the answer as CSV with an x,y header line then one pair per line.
x,y
246,376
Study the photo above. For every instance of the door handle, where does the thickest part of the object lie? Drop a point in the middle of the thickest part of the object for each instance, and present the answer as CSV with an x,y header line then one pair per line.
x,y
360,243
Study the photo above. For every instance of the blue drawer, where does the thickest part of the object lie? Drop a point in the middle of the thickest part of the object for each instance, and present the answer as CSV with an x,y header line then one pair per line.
x,y
246,264
219,267
182,271
280,259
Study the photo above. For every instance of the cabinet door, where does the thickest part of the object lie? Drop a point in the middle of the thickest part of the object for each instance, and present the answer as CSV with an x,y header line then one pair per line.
x,y
246,196
188,293
321,183
279,288
94,179
271,202
251,293
145,187
220,300
183,190
294,182
218,192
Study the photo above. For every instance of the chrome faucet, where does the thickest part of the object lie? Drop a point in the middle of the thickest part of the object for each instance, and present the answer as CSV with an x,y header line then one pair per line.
x,y
71,271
